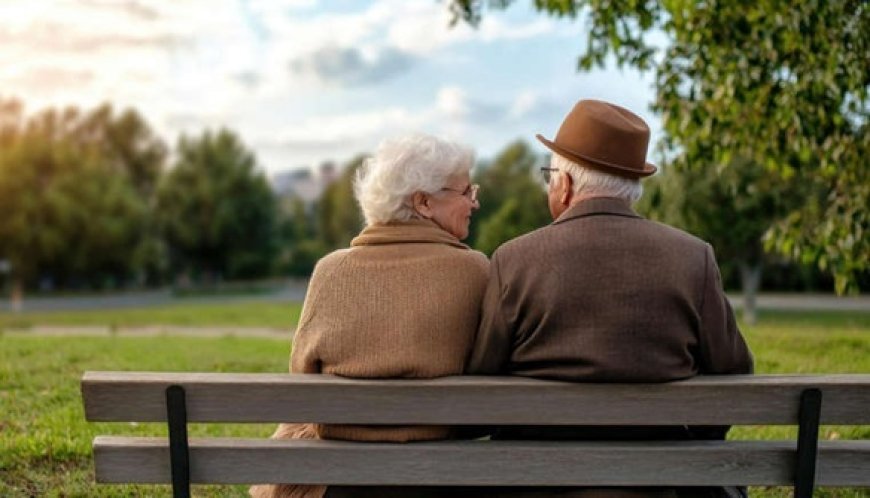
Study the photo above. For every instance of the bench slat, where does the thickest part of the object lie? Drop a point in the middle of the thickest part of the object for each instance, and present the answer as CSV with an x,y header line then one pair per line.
x,y
723,400
247,461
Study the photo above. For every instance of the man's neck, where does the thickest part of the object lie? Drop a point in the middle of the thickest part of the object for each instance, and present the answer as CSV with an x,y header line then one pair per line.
x,y
585,197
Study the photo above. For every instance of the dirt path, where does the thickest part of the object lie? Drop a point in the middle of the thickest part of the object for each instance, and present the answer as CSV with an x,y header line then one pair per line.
x,y
817,302
765,302
155,331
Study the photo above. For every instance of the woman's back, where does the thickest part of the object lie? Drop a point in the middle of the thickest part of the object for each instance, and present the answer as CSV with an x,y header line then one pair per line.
x,y
401,302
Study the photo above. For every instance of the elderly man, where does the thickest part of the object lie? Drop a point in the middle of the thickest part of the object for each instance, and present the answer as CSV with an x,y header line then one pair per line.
x,y
602,294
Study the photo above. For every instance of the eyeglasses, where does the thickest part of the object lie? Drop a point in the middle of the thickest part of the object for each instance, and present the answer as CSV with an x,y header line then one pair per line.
x,y
470,192
548,172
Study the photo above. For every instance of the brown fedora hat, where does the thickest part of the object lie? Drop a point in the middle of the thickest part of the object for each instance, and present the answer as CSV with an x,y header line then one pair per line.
x,y
605,137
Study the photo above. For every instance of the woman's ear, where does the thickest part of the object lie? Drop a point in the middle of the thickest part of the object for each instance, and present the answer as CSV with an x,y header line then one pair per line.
x,y
420,203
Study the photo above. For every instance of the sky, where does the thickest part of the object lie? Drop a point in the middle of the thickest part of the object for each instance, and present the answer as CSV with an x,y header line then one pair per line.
x,y
305,81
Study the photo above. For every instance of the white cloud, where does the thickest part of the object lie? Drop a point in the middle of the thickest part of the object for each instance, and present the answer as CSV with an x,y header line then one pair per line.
x,y
451,112
422,28
388,30
524,103
298,83
493,29
43,78
351,66
452,103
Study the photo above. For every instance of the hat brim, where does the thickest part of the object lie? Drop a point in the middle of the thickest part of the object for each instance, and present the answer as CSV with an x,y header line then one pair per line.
x,y
617,169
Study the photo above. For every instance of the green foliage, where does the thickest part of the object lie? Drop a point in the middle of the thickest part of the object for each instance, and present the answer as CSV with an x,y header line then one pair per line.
x,y
302,256
70,210
126,144
509,222
300,247
783,85
731,208
338,214
216,211
512,199
310,232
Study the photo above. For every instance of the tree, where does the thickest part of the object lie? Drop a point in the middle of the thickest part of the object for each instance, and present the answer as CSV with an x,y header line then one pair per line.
x,y
300,247
731,209
128,146
216,211
512,200
66,216
27,167
783,85
338,214
10,124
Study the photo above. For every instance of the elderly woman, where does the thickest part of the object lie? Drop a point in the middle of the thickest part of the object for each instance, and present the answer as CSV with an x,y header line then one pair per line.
x,y
403,300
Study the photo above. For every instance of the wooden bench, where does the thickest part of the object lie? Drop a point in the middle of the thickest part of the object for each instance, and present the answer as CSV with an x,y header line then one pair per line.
x,y
181,398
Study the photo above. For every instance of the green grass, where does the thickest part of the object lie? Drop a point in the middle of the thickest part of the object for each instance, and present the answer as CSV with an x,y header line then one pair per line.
x,y
251,314
46,442
809,342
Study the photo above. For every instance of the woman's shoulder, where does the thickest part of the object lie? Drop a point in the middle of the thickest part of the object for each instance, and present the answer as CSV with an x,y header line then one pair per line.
x,y
469,259
331,261
476,258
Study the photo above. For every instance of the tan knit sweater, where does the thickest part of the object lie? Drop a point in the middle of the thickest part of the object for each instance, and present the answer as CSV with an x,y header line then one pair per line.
x,y
402,302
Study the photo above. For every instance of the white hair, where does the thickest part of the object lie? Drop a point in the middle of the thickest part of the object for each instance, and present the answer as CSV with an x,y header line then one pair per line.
x,y
403,166
588,181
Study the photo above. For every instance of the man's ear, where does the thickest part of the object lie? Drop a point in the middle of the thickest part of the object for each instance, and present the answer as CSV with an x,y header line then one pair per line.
x,y
420,203
567,187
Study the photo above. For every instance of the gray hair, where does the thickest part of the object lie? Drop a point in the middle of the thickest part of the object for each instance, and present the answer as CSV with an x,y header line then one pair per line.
x,y
403,166
588,181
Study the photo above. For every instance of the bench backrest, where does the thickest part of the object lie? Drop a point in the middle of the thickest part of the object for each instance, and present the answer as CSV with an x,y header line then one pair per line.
x,y
732,400
725,400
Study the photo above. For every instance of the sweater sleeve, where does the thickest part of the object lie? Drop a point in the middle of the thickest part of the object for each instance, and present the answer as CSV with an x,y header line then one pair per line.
x,y
722,348
305,357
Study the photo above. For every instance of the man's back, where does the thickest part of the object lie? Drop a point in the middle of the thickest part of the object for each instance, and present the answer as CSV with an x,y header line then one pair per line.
x,y
605,295
602,294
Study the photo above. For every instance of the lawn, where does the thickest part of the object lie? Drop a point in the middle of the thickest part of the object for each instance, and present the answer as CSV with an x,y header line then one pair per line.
x,y
46,442
240,314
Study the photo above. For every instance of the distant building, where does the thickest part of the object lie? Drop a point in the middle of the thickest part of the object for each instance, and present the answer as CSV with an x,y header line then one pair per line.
x,y
304,184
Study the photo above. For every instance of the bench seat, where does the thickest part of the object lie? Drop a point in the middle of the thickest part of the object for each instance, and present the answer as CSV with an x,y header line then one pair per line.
x,y
182,398
472,463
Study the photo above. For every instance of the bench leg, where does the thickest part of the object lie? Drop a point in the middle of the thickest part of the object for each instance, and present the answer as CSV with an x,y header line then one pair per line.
x,y
179,457
808,443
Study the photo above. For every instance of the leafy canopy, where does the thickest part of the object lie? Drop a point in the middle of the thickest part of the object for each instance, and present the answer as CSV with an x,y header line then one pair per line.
x,y
71,209
216,212
782,85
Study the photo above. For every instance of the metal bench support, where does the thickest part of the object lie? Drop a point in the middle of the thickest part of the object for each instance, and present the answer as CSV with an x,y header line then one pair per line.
x,y
179,456
808,443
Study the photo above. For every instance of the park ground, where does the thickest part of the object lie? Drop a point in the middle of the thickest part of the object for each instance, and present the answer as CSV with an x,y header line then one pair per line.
x,y
46,442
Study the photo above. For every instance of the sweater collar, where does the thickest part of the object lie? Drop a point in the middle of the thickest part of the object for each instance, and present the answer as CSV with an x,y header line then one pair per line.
x,y
405,232
598,205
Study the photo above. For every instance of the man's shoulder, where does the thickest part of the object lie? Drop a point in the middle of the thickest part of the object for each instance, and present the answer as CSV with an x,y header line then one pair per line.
x,y
536,242
668,232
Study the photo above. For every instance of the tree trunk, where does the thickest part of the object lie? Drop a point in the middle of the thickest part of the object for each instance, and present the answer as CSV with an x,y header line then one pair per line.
x,y
750,279
17,294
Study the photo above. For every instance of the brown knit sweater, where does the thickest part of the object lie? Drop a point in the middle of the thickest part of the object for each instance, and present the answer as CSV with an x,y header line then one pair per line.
x,y
402,302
